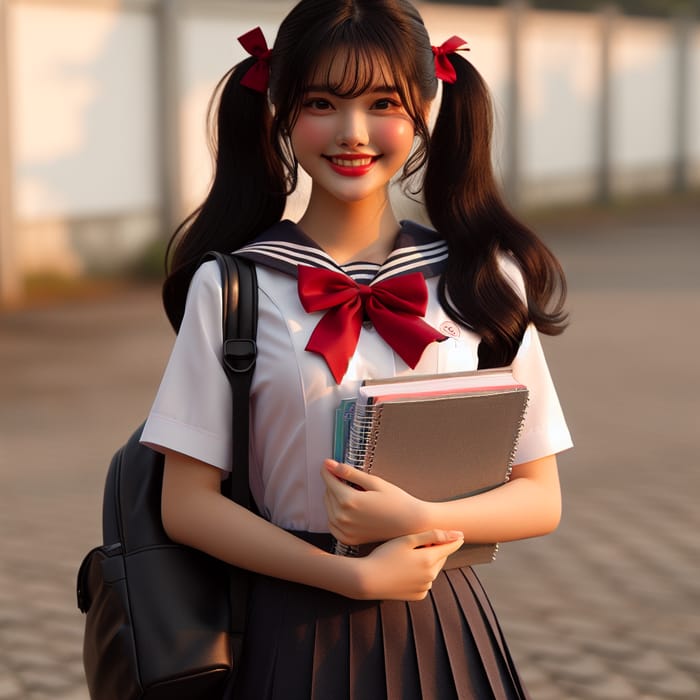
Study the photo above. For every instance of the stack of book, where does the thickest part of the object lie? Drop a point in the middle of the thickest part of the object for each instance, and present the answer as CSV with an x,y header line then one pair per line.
x,y
438,437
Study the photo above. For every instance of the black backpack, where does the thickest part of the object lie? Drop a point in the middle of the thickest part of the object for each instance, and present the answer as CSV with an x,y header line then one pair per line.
x,y
164,621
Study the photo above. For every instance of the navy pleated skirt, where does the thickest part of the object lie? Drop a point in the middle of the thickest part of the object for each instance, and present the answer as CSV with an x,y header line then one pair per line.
x,y
304,643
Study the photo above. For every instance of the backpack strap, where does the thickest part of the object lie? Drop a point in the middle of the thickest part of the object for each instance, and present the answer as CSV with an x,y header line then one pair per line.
x,y
240,325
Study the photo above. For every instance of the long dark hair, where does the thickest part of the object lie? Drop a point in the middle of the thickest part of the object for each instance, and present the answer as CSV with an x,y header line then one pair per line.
x,y
256,167
464,203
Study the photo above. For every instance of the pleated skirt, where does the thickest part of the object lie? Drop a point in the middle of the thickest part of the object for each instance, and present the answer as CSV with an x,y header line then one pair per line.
x,y
304,643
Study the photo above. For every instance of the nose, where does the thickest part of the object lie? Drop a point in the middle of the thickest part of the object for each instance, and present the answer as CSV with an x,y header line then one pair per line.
x,y
352,131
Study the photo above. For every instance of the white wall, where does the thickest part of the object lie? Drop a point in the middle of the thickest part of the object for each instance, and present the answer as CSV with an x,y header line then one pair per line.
x,y
84,110
209,47
643,104
84,119
694,115
561,89
486,33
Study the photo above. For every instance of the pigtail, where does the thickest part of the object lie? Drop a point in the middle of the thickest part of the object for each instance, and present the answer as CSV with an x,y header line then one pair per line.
x,y
247,194
464,203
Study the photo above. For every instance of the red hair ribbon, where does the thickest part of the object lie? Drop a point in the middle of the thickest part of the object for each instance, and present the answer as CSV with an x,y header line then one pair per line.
x,y
394,306
444,70
258,76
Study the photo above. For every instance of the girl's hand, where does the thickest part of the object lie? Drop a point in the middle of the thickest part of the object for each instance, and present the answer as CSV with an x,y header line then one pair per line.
x,y
373,512
405,568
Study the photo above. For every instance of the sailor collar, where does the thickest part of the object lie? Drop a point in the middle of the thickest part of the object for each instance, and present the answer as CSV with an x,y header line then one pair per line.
x,y
285,246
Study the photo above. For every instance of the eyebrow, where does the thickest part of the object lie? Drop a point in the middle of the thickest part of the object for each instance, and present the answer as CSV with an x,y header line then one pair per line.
x,y
375,89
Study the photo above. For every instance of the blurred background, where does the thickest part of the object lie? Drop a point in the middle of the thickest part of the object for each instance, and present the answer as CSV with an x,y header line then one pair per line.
x,y
102,113
103,150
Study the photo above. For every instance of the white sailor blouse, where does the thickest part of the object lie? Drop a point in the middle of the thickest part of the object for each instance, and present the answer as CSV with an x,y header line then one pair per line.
x,y
293,394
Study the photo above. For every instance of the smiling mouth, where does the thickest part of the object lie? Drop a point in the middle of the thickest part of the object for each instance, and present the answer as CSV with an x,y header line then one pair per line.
x,y
352,164
352,161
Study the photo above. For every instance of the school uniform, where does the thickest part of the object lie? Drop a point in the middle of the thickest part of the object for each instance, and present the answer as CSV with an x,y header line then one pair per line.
x,y
303,642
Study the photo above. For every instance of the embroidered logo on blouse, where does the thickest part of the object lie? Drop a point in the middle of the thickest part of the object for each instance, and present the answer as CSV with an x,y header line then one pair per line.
x,y
450,328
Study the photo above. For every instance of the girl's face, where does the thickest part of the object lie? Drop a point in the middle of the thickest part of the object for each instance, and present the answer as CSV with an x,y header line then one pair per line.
x,y
351,146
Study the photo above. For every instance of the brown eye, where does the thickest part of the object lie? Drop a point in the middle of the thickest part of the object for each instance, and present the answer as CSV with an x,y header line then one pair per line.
x,y
386,103
318,104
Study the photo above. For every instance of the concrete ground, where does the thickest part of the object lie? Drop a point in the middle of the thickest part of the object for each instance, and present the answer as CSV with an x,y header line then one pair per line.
x,y
607,608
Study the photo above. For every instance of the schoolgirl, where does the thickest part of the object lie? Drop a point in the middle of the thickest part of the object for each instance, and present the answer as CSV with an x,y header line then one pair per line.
x,y
345,94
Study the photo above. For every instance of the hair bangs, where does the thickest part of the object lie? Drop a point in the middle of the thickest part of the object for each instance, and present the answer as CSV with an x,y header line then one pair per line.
x,y
348,70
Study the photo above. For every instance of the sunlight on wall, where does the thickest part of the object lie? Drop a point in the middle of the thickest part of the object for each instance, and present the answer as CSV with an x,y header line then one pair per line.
x,y
561,94
50,81
485,32
694,116
643,94
209,49
83,103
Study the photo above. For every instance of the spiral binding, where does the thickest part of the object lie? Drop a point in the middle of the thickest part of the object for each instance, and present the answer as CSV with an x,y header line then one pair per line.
x,y
362,441
360,453
511,457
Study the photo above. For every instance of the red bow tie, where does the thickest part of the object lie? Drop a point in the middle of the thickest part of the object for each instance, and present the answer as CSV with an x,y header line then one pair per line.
x,y
394,307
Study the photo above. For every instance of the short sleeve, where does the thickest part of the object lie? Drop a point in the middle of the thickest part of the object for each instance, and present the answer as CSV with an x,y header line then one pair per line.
x,y
191,413
545,431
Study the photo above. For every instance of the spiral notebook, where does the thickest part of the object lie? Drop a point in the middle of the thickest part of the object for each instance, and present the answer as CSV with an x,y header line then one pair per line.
x,y
439,438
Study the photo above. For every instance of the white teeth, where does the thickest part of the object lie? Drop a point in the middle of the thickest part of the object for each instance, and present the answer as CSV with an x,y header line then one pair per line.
x,y
351,163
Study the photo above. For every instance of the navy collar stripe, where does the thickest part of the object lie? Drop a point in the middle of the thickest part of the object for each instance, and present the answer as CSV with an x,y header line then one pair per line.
x,y
425,248
285,246
292,251
360,269
286,261
411,254
419,265
411,261
291,248
361,264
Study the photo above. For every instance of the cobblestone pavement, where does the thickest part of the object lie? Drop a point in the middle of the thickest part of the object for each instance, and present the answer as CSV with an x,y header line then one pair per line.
x,y
607,608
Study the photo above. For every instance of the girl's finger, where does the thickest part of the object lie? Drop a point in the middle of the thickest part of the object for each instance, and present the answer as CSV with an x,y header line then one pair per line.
x,y
433,538
346,473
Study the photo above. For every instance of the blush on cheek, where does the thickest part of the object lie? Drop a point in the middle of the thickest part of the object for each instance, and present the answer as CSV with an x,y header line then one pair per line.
x,y
309,132
394,133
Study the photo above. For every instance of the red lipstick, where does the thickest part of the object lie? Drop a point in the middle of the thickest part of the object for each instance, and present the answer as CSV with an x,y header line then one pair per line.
x,y
351,164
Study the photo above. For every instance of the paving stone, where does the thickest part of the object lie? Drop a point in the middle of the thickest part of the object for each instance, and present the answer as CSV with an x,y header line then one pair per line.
x,y
578,624
615,648
661,639
689,661
582,669
648,665
547,691
49,679
609,687
74,694
676,685
555,649
10,688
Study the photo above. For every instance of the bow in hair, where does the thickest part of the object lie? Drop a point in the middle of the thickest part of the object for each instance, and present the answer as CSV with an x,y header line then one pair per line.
x,y
258,76
444,70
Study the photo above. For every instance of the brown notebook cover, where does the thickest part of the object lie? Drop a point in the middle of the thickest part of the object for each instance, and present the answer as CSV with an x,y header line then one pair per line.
x,y
442,448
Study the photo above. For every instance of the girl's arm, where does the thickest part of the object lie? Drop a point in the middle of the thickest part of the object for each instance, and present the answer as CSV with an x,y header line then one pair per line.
x,y
528,505
195,513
